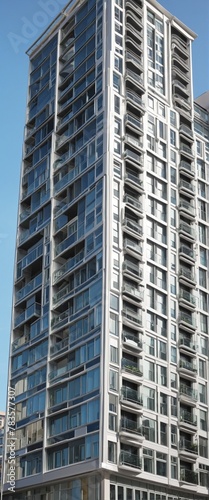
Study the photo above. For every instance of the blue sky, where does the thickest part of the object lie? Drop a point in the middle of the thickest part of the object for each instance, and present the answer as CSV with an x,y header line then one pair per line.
x,y
21,22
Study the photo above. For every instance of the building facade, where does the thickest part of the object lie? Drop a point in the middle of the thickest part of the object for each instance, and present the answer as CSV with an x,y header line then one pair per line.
x,y
109,342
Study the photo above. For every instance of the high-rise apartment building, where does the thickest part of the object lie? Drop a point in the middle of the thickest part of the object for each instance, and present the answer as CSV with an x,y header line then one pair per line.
x,y
109,343
2,421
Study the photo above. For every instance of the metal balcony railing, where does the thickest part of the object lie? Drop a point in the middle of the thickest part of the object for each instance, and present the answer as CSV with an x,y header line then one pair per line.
x,y
186,445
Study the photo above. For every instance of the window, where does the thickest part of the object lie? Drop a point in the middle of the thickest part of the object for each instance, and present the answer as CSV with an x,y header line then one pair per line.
x,y
173,332
199,148
117,104
113,354
150,102
173,175
203,300
173,118
203,420
202,393
173,354
148,456
163,404
173,284
173,435
162,379
202,278
163,433
203,323
149,398
174,469
173,406
173,217
173,156
173,138
149,370
162,350
113,380
203,346
203,447
173,380
112,452
202,368
149,429
161,464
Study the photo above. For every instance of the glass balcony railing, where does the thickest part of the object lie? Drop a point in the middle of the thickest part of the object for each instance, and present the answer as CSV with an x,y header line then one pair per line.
x,y
133,291
133,178
185,205
189,476
132,316
184,249
187,391
186,445
131,395
67,242
130,460
130,57
188,418
183,128
36,184
133,226
132,340
32,285
72,262
61,319
133,202
134,99
66,179
131,120
128,425
186,342
29,258
187,167
20,342
187,365
131,75
132,245
188,186
33,310
186,228
131,367
132,268
186,273
188,297
132,156
186,149
187,318
59,346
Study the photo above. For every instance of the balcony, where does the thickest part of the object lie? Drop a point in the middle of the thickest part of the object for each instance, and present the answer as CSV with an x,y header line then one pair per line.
x,y
187,208
133,122
132,270
131,342
59,347
132,227
187,231
20,342
131,367
186,150
130,432
134,182
184,130
186,168
135,101
187,188
187,320
188,395
133,292
68,266
180,89
187,275
186,344
134,248
133,317
134,158
130,460
187,419
134,203
130,397
187,298
30,287
188,476
186,253
188,448
187,369
33,311
134,78
131,58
